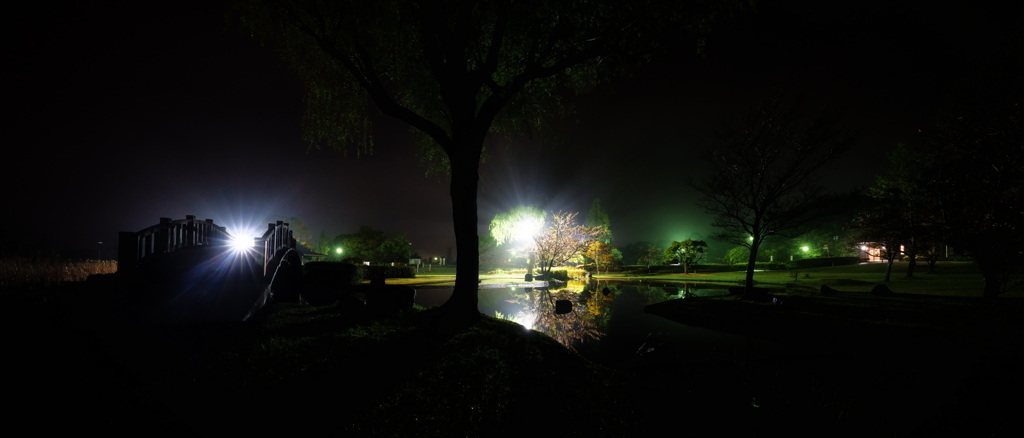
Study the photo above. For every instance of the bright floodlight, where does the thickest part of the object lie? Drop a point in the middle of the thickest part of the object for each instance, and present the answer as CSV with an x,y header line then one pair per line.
x,y
243,239
526,228
241,243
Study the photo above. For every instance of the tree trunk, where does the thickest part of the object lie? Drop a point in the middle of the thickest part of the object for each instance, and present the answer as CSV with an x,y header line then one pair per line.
x,y
911,260
462,307
995,274
748,281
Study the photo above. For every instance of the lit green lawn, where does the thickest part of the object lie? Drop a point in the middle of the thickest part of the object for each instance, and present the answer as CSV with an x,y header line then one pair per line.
x,y
949,278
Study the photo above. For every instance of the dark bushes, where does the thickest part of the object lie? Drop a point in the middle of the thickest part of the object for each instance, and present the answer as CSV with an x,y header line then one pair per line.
x,y
823,262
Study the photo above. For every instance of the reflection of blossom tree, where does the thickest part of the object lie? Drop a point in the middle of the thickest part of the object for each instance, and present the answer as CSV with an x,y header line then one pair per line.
x,y
569,329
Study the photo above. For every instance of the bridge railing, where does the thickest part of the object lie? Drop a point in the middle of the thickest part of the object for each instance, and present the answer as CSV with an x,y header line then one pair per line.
x,y
165,237
275,241
172,235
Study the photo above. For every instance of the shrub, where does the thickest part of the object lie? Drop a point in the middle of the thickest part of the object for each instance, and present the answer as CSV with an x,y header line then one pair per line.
x,y
560,274
577,272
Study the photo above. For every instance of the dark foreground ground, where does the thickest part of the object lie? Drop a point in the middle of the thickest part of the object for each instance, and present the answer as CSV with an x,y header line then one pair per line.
x,y
847,365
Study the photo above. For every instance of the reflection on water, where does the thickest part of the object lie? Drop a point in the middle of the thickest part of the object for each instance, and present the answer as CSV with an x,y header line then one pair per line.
x,y
597,308
535,309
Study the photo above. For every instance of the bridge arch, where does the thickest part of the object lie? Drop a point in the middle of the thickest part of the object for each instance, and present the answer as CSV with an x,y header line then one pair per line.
x,y
184,270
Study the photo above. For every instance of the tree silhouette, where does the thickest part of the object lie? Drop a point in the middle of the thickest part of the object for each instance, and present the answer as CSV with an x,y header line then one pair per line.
x,y
764,176
456,72
981,180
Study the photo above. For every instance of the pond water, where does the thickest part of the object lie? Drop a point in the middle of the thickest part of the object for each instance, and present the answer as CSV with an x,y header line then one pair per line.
x,y
607,322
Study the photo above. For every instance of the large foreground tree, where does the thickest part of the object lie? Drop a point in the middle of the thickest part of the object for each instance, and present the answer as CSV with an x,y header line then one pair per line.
x,y
764,174
456,71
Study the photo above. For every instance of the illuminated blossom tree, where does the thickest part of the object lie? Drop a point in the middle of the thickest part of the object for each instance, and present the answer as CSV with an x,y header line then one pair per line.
x,y
563,241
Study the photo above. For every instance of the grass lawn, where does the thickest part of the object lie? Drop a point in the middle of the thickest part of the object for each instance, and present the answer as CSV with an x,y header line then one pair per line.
x,y
948,279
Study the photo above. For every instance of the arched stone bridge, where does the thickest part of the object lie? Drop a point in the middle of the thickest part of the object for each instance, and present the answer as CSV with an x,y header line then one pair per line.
x,y
187,270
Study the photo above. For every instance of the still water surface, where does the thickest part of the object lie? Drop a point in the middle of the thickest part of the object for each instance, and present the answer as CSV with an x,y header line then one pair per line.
x,y
607,322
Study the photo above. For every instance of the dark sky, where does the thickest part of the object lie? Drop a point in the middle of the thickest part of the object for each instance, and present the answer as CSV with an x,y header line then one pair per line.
x,y
121,113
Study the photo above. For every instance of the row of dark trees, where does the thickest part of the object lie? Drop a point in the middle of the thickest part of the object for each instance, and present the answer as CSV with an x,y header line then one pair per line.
x,y
961,185
368,245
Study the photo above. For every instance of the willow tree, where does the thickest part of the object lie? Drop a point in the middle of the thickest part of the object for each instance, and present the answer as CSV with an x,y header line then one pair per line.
x,y
519,224
456,72
518,227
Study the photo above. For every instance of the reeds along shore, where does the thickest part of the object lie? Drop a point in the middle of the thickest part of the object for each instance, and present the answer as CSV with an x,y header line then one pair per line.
x,y
30,273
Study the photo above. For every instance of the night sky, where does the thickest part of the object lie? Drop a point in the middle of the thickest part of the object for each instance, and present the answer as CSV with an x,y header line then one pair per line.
x,y
123,113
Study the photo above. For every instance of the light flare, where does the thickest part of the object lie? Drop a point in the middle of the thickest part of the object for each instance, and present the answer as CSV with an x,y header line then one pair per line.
x,y
242,239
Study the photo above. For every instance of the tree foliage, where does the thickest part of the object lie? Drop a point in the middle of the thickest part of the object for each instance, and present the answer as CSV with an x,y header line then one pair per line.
x,y
909,203
302,234
981,180
602,254
519,224
373,245
687,252
879,224
737,255
764,175
648,254
597,217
